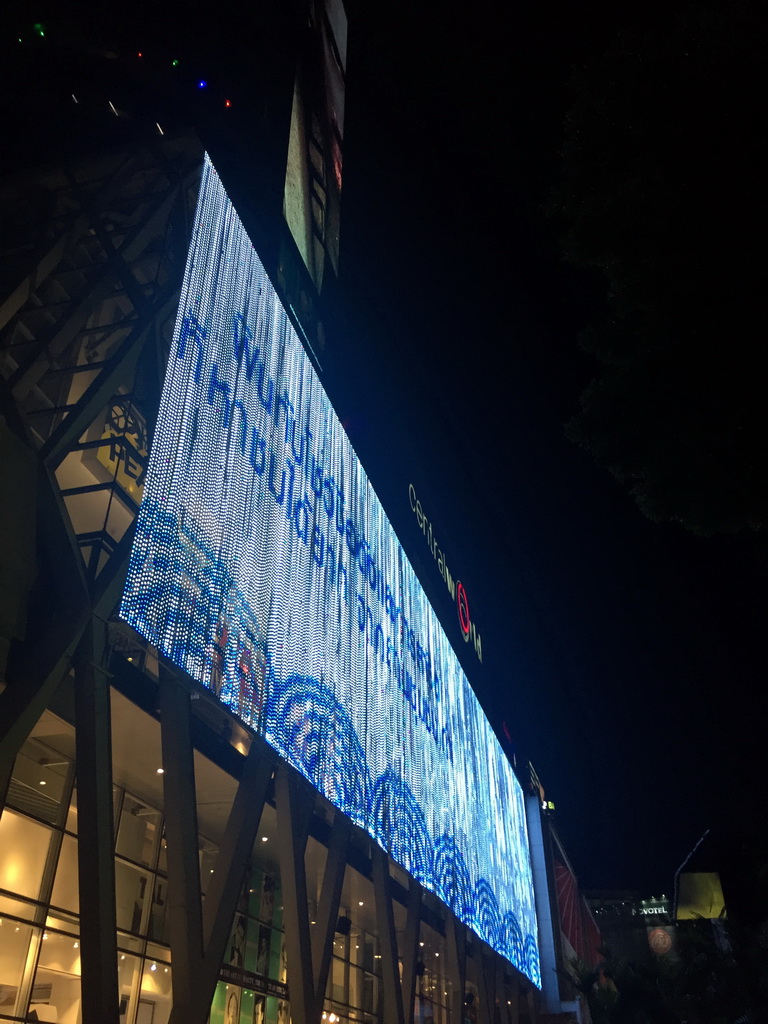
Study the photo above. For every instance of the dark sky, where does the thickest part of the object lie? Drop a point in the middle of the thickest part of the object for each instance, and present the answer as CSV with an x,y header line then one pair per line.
x,y
623,655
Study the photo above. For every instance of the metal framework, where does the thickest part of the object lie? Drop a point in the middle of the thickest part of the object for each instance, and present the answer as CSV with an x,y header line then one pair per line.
x,y
91,286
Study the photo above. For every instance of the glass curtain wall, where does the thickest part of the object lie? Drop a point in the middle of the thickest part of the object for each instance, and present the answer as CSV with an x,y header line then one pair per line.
x,y
39,923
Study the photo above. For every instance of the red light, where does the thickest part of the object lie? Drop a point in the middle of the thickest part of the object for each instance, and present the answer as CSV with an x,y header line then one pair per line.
x,y
463,607
139,54
227,103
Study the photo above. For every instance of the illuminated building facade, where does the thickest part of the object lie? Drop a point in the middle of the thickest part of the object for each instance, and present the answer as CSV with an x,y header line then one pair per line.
x,y
243,775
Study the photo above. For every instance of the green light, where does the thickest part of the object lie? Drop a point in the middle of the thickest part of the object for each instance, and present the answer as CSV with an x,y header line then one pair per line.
x,y
175,63
39,28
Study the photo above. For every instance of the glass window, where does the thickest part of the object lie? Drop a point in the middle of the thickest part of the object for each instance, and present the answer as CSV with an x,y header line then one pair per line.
x,y
207,856
155,999
40,781
278,959
65,887
338,988
252,1007
23,851
138,832
229,1005
127,968
157,928
370,993
159,953
56,988
129,943
261,897
14,949
64,923
17,908
131,885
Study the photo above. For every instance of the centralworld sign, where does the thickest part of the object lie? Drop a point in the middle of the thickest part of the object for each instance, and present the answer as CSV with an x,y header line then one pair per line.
x,y
265,567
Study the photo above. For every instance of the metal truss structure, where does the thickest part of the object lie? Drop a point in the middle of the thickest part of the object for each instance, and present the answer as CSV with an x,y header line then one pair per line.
x,y
89,277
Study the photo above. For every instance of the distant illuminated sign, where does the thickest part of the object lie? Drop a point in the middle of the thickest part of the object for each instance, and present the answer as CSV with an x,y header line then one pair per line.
x,y
455,588
264,566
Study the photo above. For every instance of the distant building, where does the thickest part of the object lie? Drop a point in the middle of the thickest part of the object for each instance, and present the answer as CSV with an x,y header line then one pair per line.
x,y
633,928
568,930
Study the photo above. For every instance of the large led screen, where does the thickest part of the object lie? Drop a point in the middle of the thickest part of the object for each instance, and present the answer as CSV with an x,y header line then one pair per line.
x,y
265,567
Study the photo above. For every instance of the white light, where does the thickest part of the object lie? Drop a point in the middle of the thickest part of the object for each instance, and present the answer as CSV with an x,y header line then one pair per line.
x,y
360,903
160,130
160,771
153,967
264,839
112,108
265,566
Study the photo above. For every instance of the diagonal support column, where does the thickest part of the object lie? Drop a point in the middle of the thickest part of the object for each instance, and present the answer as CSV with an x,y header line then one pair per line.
x,y
456,940
294,803
199,932
410,947
95,854
224,889
485,976
328,910
385,922
60,610
185,917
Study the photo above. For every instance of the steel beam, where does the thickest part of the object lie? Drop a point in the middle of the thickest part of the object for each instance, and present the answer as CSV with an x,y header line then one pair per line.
x,y
485,979
95,848
385,922
294,803
185,916
224,888
410,948
117,367
328,909
456,941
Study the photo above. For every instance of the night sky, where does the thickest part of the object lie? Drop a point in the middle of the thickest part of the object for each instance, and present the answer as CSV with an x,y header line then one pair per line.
x,y
626,657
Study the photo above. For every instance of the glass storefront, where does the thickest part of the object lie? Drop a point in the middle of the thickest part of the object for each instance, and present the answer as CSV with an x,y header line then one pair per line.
x,y
39,927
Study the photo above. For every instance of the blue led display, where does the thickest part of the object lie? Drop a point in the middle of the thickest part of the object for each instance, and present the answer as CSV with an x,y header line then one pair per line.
x,y
264,566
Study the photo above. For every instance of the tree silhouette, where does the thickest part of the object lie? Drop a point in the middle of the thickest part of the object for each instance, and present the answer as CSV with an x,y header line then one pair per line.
x,y
658,193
